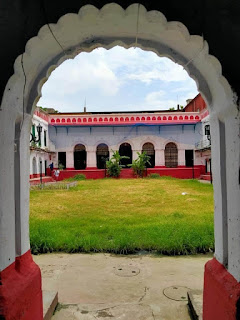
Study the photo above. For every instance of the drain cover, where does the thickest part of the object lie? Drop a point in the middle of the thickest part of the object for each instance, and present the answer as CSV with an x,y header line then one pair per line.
x,y
126,270
176,293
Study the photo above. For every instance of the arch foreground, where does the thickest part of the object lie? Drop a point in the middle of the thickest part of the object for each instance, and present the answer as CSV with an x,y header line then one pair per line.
x,y
85,31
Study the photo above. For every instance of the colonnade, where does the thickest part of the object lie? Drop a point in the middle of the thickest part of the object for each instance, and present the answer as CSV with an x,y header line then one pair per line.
x,y
91,156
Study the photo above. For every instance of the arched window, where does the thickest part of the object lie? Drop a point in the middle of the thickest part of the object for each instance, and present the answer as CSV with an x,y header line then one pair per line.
x,y
102,154
125,149
171,155
80,157
149,149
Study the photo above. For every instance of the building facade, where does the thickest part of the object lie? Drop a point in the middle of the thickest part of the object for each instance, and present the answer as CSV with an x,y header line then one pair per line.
x,y
176,141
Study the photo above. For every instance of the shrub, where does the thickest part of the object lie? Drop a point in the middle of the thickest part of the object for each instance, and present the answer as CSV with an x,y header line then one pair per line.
x,y
60,166
139,165
77,177
113,165
154,176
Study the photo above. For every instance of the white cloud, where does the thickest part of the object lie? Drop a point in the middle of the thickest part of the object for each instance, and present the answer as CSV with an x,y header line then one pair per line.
x,y
154,98
73,77
164,70
115,78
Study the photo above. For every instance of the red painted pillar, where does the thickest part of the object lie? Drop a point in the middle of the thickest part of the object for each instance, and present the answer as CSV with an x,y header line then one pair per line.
x,y
221,297
21,290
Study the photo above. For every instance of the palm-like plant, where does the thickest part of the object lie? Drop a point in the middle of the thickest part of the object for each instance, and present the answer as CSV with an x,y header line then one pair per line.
x,y
139,165
114,164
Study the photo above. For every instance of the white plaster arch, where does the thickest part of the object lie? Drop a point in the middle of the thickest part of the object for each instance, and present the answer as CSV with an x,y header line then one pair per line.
x,y
78,143
102,141
108,27
149,140
95,28
171,141
130,142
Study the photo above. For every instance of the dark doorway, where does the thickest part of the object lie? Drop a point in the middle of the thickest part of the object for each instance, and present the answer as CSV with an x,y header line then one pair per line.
x,y
189,159
125,149
149,149
62,159
171,155
102,154
45,167
80,157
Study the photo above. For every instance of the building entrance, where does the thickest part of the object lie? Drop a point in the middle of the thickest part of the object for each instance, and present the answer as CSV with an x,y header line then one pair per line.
x,y
102,155
80,157
125,149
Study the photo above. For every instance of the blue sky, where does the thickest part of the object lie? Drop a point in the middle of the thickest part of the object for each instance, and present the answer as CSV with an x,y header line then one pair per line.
x,y
117,80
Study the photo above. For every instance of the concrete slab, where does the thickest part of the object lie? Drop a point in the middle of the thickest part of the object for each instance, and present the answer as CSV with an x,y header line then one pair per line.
x,y
50,301
93,287
195,302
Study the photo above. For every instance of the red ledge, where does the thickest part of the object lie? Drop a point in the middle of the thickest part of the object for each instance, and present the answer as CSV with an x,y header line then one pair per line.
x,y
21,290
221,297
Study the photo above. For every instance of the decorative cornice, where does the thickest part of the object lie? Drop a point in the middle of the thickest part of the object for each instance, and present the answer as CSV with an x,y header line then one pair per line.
x,y
124,119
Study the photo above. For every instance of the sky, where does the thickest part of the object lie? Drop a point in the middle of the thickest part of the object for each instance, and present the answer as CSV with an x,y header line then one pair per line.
x,y
118,79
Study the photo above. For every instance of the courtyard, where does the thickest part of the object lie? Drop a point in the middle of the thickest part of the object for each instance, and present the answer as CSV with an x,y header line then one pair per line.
x,y
164,216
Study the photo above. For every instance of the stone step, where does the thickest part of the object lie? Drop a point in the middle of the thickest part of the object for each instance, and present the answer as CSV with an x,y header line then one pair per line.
x,y
45,179
50,301
195,303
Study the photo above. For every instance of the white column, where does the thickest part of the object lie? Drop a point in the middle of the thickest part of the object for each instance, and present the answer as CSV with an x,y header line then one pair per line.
x,y
7,220
232,122
91,157
110,152
159,158
70,159
22,190
220,189
134,154
181,157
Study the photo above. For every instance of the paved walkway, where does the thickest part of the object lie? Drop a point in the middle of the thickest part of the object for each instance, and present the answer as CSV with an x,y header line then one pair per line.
x,y
101,286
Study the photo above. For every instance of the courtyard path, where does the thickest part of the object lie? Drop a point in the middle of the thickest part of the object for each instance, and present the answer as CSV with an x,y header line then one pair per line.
x,y
136,287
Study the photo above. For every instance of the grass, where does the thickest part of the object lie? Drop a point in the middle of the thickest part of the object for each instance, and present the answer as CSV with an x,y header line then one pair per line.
x,y
124,216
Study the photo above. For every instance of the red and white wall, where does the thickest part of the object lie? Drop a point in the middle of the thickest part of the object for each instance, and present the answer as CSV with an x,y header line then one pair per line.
x,y
20,289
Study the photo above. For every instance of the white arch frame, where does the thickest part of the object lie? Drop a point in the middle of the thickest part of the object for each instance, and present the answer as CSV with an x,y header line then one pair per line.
x,y
101,142
77,144
148,141
92,28
125,141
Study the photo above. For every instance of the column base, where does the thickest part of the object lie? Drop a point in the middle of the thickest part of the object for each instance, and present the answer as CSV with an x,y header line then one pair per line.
x,y
21,290
221,296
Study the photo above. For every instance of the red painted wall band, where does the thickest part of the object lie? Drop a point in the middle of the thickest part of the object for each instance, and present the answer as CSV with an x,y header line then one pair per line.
x,y
21,290
221,293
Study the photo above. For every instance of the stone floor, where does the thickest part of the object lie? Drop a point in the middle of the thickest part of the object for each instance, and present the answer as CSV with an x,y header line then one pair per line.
x,y
102,286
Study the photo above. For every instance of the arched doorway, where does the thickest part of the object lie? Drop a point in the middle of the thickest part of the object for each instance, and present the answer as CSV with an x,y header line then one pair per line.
x,y
165,38
171,155
148,147
125,149
80,157
102,155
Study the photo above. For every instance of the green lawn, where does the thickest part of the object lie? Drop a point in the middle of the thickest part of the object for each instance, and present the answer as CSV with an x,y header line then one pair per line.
x,y
124,216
